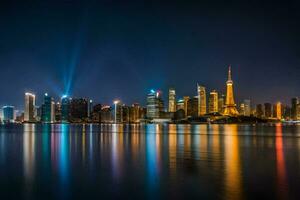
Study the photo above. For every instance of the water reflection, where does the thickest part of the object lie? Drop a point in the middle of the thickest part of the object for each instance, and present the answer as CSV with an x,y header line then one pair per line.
x,y
280,161
29,152
184,161
233,176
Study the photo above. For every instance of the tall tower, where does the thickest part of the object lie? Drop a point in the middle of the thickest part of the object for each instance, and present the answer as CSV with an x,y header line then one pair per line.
x,y
213,102
29,107
230,106
201,100
172,100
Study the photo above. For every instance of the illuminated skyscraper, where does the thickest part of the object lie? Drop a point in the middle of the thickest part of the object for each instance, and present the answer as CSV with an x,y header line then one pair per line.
x,y
186,101
278,110
180,104
8,113
242,109
65,109
29,107
154,104
213,102
172,100
201,100
221,103
48,109
247,104
193,107
230,106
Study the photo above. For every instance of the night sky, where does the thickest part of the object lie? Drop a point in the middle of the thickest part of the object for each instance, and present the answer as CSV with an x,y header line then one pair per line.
x,y
112,49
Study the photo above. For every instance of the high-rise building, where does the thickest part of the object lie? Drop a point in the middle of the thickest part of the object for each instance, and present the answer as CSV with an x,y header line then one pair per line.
x,y
294,103
79,110
135,113
247,104
221,103
242,109
172,100
277,111
48,109
286,112
8,114
213,102
230,106
268,110
201,100
65,108
154,104
186,101
58,112
90,108
259,111
29,107
193,107
180,104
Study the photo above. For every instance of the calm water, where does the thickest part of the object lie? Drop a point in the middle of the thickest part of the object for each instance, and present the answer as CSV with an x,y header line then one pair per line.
x,y
149,162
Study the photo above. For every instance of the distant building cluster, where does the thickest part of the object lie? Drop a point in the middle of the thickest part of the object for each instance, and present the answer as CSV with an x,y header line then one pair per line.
x,y
203,107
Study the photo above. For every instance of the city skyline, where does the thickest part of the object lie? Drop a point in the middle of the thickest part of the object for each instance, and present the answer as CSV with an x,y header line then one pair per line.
x,y
181,44
206,106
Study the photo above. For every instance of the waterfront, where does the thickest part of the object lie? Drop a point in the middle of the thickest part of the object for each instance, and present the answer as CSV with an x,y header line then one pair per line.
x,y
149,161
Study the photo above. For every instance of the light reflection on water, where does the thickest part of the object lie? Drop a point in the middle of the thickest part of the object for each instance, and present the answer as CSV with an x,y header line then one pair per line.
x,y
150,161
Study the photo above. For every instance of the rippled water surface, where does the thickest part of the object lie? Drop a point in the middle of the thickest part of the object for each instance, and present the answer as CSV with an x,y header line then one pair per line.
x,y
149,161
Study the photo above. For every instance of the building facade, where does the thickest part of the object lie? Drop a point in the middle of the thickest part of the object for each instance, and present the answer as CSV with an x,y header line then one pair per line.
x,y
213,102
8,114
29,112
201,100
172,100
155,104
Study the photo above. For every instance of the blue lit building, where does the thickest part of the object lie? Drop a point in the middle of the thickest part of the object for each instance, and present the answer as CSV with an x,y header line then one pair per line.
x,y
155,104
47,109
65,109
8,113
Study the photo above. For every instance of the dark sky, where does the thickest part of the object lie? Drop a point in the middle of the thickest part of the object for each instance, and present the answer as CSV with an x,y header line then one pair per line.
x,y
122,49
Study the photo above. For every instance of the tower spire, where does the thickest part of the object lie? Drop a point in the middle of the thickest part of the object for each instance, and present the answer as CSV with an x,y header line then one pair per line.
x,y
229,73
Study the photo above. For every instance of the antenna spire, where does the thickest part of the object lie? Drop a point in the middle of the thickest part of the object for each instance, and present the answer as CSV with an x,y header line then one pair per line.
x,y
229,73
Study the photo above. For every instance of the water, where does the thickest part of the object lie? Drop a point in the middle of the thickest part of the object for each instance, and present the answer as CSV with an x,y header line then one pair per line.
x,y
149,161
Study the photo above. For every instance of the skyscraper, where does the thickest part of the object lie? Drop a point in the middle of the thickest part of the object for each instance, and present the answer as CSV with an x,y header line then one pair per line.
x,y
154,104
65,109
201,100
180,104
213,102
118,112
29,107
90,108
268,110
47,109
294,103
230,106
8,114
186,101
221,103
172,100
259,111
242,109
78,110
278,110
247,104
193,107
